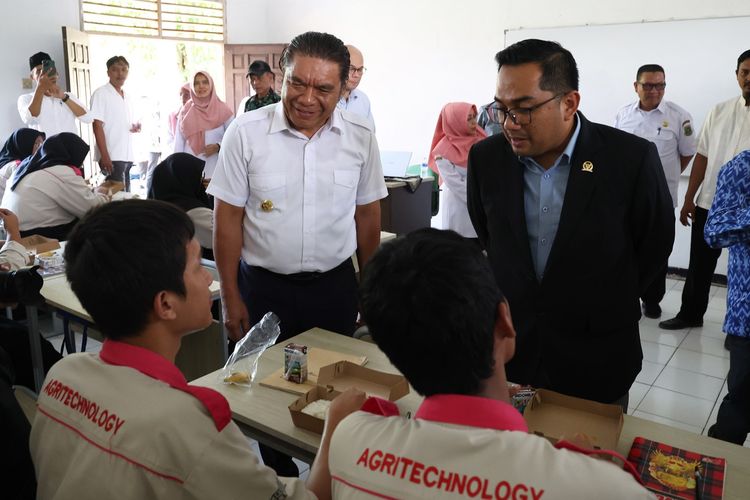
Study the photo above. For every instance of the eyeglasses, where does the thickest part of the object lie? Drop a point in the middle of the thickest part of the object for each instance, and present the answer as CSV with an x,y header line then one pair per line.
x,y
519,116
652,86
354,70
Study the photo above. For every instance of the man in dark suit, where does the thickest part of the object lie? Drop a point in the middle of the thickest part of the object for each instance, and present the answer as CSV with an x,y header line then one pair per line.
x,y
576,219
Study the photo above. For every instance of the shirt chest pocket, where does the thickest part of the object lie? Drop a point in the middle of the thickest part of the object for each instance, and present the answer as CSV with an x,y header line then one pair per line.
x,y
345,187
268,194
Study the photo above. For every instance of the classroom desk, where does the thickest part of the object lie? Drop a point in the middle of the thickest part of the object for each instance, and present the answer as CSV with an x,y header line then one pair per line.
x,y
262,413
59,297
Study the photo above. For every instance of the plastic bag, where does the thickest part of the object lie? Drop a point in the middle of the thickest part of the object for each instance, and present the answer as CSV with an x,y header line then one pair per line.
x,y
243,363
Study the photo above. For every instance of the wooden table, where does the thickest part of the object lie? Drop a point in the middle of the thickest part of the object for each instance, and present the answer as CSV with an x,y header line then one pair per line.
x,y
262,413
59,297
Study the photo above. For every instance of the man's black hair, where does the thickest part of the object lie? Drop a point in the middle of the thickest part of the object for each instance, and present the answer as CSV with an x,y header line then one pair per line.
x,y
559,69
745,55
117,59
430,301
120,255
648,68
320,45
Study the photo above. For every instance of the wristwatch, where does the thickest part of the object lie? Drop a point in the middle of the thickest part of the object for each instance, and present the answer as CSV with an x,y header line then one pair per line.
x,y
65,99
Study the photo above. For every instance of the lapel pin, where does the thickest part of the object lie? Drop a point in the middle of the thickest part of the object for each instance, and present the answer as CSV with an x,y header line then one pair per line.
x,y
587,166
266,205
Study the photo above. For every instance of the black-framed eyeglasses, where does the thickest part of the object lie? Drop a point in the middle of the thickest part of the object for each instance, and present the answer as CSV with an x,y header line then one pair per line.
x,y
519,116
653,86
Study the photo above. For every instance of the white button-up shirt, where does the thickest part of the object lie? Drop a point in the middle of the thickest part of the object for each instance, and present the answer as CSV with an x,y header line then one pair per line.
x,y
725,134
50,197
116,113
299,194
670,128
54,116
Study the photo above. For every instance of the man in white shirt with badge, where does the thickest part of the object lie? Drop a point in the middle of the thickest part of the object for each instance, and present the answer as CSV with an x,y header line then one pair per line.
x,y
49,109
725,134
113,115
433,306
297,191
670,128
352,99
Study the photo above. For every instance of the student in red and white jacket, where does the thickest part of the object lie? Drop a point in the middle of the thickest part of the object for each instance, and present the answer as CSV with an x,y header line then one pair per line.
x,y
434,308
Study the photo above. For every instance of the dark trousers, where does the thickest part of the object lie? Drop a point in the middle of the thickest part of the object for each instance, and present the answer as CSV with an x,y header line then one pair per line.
x,y
120,173
700,271
656,290
733,419
301,301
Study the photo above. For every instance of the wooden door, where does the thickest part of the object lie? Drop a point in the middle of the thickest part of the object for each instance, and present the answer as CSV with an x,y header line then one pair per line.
x,y
237,58
78,80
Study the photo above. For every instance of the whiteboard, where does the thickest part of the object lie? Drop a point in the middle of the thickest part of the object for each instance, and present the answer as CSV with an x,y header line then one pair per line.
x,y
699,59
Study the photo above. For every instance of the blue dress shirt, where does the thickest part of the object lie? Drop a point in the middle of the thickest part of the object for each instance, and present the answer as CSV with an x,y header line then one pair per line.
x,y
544,193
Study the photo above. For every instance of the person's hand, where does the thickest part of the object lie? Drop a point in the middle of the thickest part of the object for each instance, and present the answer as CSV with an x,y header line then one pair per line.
x,y
211,149
106,165
343,405
12,226
236,317
687,212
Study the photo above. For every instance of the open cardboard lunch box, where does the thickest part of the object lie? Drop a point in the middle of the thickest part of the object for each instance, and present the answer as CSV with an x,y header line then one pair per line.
x,y
335,378
551,415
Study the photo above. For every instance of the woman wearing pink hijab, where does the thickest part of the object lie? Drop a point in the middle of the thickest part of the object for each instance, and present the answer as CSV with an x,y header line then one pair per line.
x,y
201,123
456,132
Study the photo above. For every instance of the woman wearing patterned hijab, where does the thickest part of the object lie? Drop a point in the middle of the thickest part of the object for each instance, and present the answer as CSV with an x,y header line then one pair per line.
x,y
202,122
455,133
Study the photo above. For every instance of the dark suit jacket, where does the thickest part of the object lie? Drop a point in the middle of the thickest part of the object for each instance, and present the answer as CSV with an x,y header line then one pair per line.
x,y
577,328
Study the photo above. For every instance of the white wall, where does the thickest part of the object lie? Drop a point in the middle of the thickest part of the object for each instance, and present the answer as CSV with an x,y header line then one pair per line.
x,y
30,27
421,54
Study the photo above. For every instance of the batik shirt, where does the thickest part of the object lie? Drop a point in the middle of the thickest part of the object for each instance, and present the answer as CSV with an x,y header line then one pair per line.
x,y
728,225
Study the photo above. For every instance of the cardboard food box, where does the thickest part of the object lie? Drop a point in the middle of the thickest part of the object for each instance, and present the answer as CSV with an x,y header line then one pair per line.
x,y
552,415
305,421
39,242
336,378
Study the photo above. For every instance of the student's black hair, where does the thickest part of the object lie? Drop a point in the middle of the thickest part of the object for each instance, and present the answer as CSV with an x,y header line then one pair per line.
x,y
745,55
117,59
120,255
559,69
430,301
320,45
648,68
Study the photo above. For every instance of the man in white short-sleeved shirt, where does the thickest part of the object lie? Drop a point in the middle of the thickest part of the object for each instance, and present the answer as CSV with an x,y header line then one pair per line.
x,y
49,109
114,123
466,439
670,128
725,133
297,187
352,99
124,423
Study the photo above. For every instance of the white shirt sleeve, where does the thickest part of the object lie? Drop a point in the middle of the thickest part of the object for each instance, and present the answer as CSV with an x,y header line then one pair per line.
x,y
229,182
13,253
203,220
371,185
23,109
454,177
75,195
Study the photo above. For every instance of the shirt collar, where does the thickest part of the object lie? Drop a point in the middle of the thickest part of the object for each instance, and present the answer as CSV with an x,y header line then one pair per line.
x,y
471,411
567,153
155,366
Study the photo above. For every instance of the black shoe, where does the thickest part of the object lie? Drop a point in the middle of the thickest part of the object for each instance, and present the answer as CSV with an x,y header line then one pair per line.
x,y
651,310
678,323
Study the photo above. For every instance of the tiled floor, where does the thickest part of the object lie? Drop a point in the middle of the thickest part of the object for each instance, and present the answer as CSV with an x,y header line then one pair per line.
x,y
684,372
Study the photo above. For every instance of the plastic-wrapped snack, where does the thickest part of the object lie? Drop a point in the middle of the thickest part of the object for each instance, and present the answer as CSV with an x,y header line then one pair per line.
x,y
295,363
243,363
